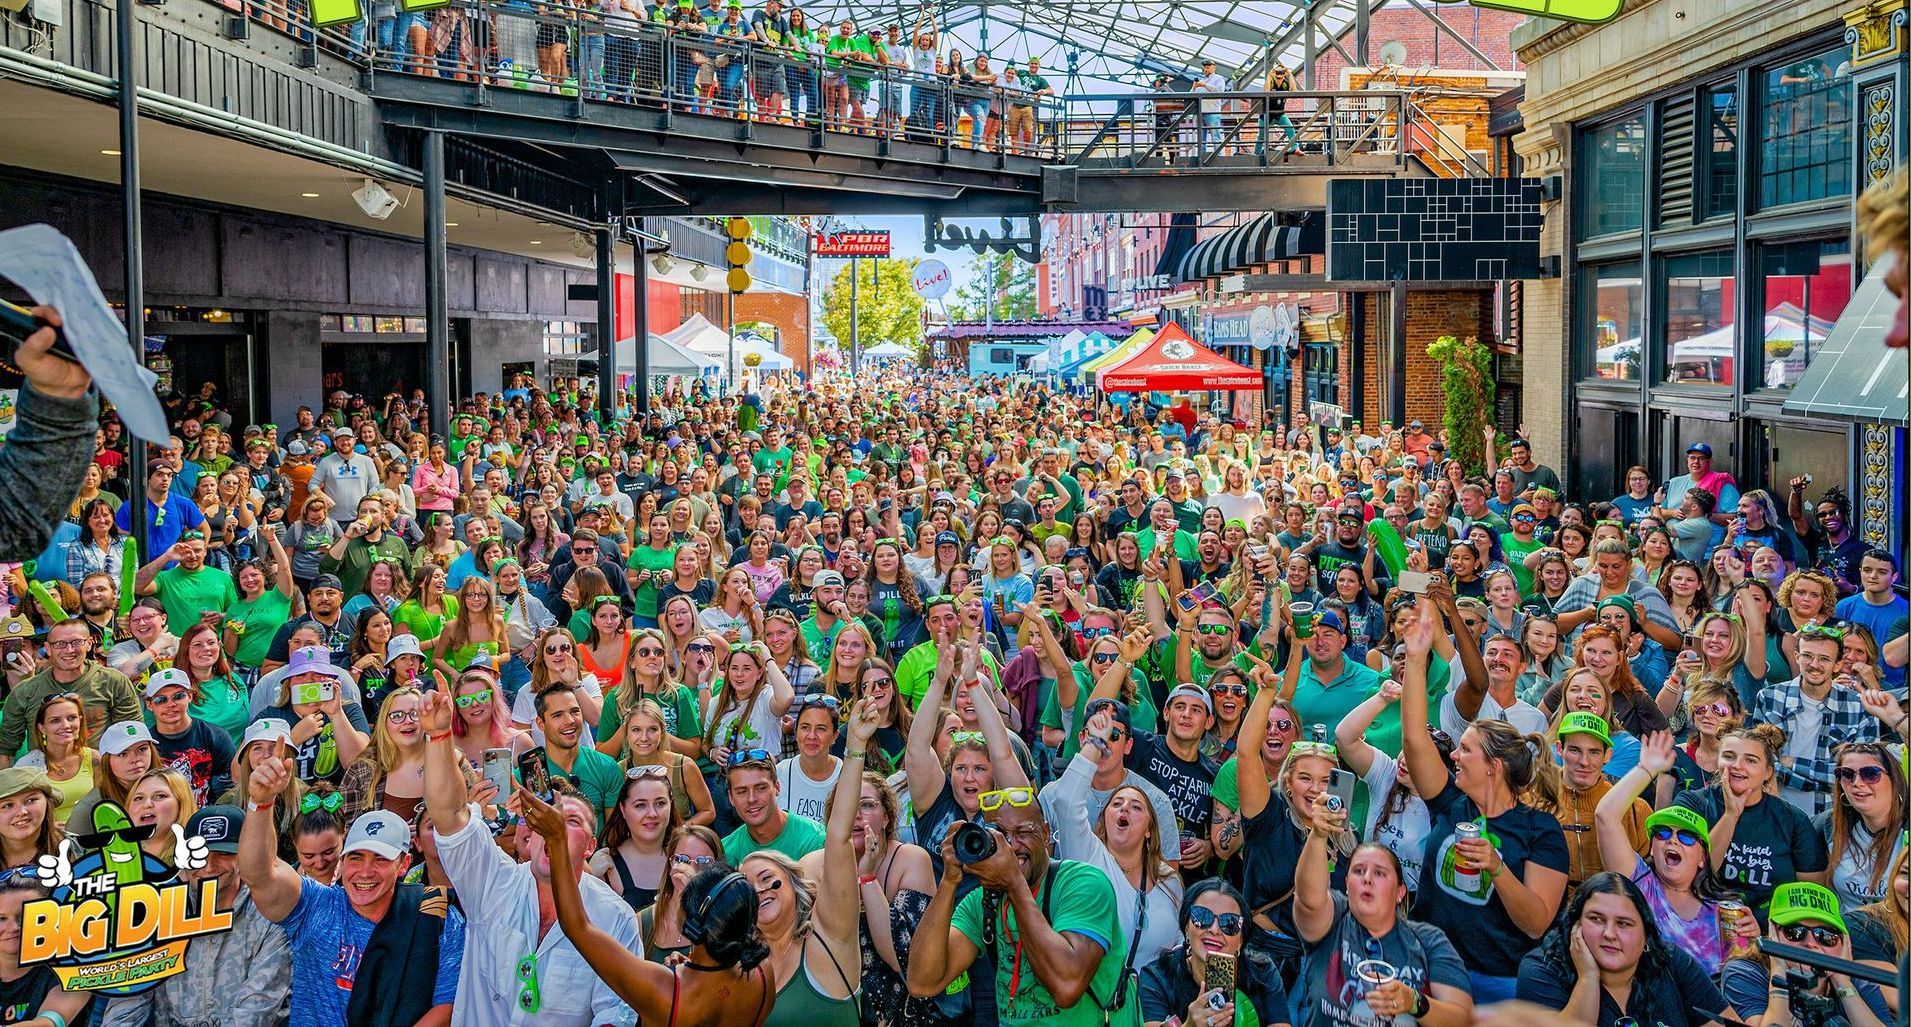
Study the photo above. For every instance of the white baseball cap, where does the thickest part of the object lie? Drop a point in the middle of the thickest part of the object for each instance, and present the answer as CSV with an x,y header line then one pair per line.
x,y
380,833
266,729
123,736
171,677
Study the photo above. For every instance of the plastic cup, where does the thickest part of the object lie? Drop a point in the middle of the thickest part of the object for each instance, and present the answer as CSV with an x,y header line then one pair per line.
x,y
1303,619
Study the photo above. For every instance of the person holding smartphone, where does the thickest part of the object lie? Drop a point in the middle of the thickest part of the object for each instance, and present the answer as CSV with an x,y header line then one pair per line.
x,y
1188,984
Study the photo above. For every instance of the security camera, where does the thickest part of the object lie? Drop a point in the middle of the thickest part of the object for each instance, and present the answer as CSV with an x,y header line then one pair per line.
x,y
375,200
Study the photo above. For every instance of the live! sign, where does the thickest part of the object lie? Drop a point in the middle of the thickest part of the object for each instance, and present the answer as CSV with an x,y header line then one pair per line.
x,y
852,244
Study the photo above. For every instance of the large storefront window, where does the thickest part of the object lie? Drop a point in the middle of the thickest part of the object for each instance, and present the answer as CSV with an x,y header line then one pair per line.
x,y
1700,340
1806,149
1323,372
1615,297
1805,287
1615,162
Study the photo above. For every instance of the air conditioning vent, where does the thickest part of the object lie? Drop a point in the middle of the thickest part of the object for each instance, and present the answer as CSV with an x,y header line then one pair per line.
x,y
1676,155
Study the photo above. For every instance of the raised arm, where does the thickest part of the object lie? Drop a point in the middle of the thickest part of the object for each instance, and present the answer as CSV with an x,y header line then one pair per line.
x,y
1609,817
1007,769
1250,770
1417,749
273,882
649,988
837,906
1313,894
445,792
1350,734
781,694
921,766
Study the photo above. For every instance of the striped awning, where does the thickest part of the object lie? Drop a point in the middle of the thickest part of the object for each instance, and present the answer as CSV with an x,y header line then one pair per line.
x,y
1259,241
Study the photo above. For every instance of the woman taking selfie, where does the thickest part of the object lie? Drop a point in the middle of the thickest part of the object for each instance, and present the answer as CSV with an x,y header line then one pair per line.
x,y
692,848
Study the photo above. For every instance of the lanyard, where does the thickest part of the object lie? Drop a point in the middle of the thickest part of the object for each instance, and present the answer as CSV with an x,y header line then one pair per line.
x,y
1015,968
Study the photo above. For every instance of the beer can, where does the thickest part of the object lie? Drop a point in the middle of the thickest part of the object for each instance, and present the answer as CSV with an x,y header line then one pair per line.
x,y
1731,914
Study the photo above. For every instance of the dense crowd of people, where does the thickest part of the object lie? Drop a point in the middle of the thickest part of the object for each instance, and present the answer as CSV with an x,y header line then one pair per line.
x,y
916,699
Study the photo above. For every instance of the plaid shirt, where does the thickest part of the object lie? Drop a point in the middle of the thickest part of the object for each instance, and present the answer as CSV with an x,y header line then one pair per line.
x,y
1844,720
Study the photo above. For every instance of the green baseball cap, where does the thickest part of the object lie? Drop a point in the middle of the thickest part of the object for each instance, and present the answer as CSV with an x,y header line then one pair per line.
x,y
1801,900
1585,724
1681,819
1622,602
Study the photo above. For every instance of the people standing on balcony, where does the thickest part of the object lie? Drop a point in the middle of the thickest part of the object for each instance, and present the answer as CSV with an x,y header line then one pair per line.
x,y
869,52
1037,87
800,76
770,70
684,54
1021,116
1210,81
896,57
622,23
980,82
1281,80
732,55
552,42
840,47
925,92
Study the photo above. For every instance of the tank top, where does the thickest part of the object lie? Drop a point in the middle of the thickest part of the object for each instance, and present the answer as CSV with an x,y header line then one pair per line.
x,y
635,894
800,1004
612,673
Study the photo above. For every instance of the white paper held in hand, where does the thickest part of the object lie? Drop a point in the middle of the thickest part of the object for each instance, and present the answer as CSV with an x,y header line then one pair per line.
x,y
49,267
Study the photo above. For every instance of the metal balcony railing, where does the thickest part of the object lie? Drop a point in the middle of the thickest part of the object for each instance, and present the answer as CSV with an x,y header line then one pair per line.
x,y
1235,130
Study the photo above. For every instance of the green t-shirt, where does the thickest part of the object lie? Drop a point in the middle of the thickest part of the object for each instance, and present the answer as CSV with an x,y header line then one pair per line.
x,y
261,619
596,775
1078,900
1042,532
918,667
225,704
820,642
648,558
800,837
1199,669
1141,713
1184,544
423,623
771,459
187,595
680,712
1516,553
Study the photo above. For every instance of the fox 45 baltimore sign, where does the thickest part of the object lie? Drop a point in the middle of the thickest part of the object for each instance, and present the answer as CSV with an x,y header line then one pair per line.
x,y
119,921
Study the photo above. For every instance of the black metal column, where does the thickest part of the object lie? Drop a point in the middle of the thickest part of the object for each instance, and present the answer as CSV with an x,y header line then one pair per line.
x,y
437,318
126,33
607,324
640,318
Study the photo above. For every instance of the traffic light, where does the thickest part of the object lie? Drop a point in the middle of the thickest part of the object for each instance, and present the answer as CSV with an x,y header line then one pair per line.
x,y
738,255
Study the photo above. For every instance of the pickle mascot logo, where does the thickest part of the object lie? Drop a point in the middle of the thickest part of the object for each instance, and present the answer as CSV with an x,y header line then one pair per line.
x,y
119,920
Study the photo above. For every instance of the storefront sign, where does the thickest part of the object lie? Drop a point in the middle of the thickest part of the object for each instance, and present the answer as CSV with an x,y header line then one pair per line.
x,y
1233,328
852,244
1146,282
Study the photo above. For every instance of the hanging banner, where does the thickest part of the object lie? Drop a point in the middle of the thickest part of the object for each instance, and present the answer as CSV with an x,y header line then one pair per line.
x,y
852,244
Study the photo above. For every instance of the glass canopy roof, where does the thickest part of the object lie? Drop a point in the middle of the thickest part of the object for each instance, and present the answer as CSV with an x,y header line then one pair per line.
x,y
1117,45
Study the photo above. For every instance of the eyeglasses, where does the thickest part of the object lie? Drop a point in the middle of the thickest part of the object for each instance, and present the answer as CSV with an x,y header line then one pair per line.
x,y
648,770
478,698
1093,633
169,698
1797,933
1204,919
692,861
650,651
828,702
1717,709
1870,774
1106,657
1663,833
743,757
1215,629
69,643
992,800
1282,724
530,999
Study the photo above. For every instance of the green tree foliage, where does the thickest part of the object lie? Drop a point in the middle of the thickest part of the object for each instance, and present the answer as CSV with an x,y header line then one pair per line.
x,y
1466,377
888,309
1012,281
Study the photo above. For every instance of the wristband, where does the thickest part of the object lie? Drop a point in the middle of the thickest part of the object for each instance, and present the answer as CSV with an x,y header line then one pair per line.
x,y
254,807
856,754
1846,992
865,880
1421,1004
48,1014
438,737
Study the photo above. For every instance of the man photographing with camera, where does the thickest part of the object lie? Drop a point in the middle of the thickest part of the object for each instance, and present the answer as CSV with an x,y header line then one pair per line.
x,y
1049,925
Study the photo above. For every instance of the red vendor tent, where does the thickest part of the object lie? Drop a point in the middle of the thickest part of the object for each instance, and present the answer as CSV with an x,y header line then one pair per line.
x,y
1172,362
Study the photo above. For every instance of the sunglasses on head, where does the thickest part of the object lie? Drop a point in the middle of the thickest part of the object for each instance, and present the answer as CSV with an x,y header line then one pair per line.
x,y
648,770
1822,631
961,737
1663,833
1204,919
745,756
1797,933
828,702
